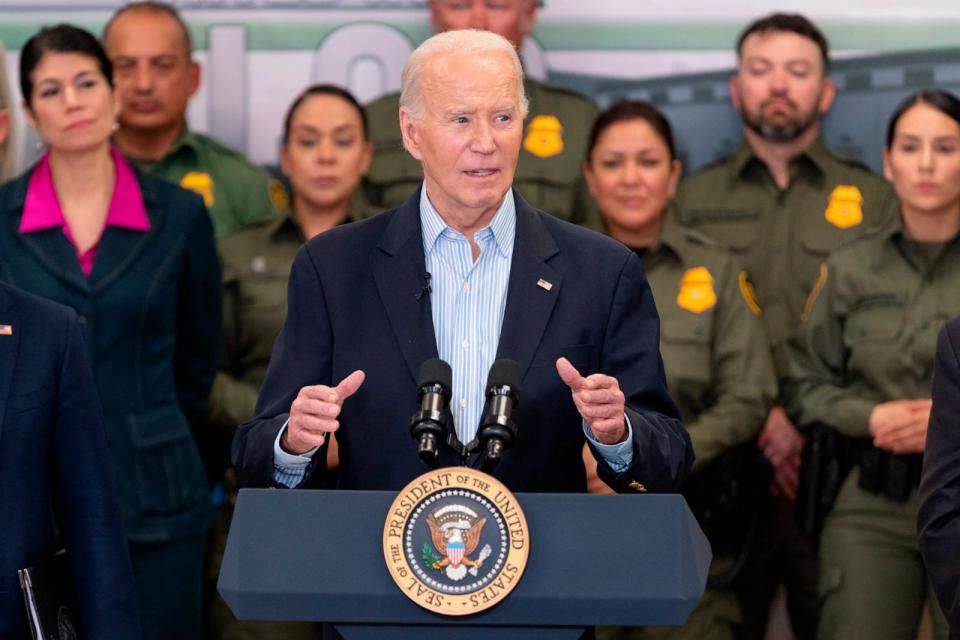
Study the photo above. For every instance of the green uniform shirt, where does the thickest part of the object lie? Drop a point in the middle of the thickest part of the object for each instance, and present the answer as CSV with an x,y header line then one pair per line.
x,y
549,171
256,268
717,359
783,237
872,333
236,192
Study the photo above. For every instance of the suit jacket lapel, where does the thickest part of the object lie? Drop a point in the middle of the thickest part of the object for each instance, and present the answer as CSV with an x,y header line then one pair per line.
x,y
119,247
398,268
8,351
532,291
52,249
49,247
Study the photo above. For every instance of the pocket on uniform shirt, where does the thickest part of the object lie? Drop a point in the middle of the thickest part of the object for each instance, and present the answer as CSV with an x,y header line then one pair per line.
x,y
874,320
169,473
685,349
819,237
736,230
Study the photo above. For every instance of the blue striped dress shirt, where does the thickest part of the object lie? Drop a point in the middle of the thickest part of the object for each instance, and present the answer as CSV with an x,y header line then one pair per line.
x,y
468,301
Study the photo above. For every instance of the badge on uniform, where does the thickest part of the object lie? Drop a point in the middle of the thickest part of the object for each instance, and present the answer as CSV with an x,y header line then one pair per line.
x,y
544,136
696,290
200,183
845,207
278,195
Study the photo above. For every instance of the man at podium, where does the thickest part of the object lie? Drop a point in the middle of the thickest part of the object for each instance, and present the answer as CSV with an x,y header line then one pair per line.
x,y
466,271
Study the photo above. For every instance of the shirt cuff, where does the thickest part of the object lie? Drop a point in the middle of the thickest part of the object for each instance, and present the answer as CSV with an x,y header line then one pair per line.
x,y
619,456
289,468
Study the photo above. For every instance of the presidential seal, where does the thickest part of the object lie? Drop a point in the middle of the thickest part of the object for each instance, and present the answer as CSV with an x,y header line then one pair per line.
x,y
455,541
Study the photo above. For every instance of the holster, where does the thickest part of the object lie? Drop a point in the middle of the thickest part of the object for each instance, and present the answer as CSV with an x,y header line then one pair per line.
x,y
726,498
827,458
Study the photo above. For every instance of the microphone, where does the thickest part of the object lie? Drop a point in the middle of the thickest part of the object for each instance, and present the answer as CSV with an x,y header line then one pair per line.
x,y
497,430
429,424
427,289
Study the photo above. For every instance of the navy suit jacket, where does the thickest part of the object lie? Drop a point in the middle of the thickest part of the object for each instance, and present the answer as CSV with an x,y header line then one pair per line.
x,y
150,316
938,520
353,304
54,469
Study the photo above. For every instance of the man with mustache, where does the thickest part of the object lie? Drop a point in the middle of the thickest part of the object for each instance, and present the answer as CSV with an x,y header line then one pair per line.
x,y
782,202
155,75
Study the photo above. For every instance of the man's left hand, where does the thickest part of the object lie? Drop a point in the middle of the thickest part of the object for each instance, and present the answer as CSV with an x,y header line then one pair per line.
x,y
599,400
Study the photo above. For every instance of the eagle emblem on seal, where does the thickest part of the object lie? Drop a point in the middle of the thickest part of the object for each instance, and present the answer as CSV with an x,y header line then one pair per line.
x,y
455,531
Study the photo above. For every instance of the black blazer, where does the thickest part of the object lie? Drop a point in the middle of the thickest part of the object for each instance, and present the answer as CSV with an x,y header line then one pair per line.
x,y
150,318
53,454
353,304
938,520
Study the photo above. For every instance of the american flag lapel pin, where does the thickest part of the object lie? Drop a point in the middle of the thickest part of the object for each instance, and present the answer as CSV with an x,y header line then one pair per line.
x,y
543,284
6,330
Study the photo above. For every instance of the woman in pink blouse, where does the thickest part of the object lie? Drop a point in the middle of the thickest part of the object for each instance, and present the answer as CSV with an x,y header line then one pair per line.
x,y
135,257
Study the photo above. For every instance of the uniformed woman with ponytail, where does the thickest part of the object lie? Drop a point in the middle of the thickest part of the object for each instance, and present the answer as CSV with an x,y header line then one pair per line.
x,y
862,365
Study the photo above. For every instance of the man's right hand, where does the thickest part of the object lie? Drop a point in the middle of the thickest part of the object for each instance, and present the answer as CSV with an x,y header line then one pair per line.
x,y
314,414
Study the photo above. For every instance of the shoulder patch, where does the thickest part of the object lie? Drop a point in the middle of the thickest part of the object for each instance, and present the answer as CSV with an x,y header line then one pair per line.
x,y
544,136
815,290
201,183
696,290
845,207
749,293
278,195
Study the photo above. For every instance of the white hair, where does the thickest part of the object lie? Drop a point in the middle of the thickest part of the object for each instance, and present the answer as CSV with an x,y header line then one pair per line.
x,y
468,43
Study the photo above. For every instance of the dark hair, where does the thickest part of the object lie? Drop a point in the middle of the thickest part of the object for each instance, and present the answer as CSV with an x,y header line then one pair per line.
x,y
61,38
792,23
943,101
324,90
152,7
626,110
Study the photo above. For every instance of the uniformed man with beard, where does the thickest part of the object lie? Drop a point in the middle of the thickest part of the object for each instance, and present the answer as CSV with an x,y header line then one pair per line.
x,y
782,203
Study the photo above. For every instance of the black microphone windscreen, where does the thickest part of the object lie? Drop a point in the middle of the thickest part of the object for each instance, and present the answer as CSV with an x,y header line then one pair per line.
x,y
504,372
436,371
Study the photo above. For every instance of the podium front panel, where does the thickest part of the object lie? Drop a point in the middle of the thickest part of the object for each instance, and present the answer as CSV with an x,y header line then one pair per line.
x,y
594,559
